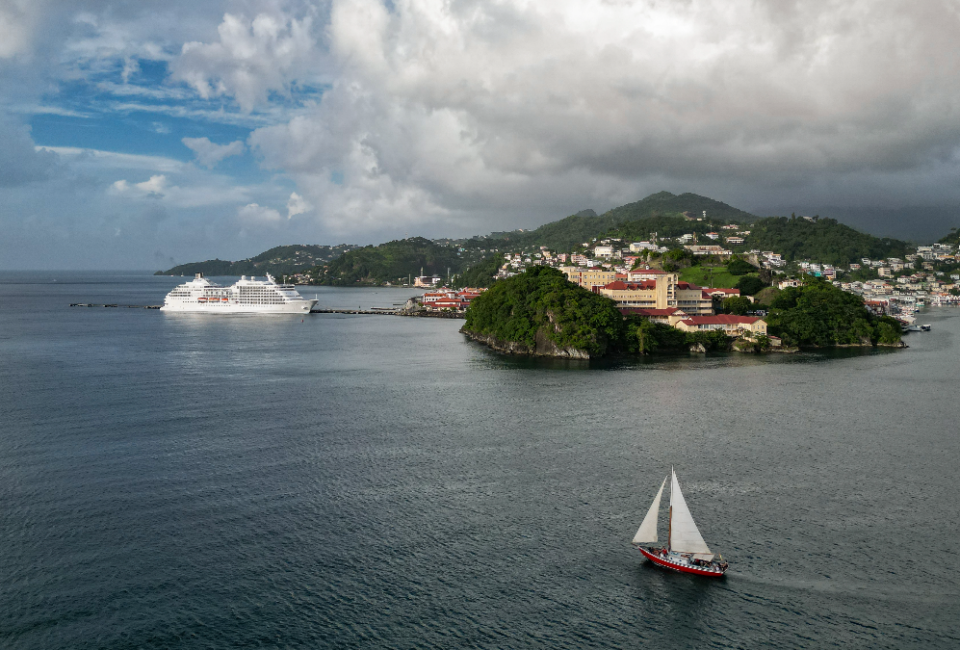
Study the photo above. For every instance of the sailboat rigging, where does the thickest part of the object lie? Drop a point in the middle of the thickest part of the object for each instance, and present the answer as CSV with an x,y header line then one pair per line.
x,y
686,551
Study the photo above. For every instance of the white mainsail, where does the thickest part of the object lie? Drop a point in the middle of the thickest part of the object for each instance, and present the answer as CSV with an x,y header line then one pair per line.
x,y
684,536
647,533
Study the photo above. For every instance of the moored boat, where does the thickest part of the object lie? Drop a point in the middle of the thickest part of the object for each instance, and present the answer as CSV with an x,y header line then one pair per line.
x,y
685,550
246,296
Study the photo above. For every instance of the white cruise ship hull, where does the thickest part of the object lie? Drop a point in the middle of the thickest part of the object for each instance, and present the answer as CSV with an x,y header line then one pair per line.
x,y
247,296
298,307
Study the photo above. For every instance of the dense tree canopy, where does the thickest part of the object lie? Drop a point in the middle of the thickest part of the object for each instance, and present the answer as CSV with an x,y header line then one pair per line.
x,y
750,285
819,314
737,305
542,300
480,274
739,266
390,262
823,240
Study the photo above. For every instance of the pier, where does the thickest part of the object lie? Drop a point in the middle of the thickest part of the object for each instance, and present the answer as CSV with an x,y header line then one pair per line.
x,y
390,312
89,304
374,311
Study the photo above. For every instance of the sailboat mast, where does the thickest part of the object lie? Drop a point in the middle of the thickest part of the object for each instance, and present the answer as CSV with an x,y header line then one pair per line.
x,y
670,522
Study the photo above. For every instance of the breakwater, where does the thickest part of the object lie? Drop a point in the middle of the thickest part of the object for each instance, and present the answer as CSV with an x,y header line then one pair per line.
x,y
355,312
88,304
397,312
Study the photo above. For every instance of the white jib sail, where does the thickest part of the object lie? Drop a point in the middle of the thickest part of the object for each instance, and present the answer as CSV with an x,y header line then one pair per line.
x,y
684,536
647,533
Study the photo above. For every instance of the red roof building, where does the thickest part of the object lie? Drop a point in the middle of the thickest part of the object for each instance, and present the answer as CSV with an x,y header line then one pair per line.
x,y
732,325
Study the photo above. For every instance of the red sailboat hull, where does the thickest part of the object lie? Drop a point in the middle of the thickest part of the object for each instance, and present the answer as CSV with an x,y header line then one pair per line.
x,y
713,570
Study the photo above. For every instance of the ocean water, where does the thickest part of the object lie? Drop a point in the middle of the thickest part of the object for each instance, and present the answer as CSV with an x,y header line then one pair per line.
x,y
178,481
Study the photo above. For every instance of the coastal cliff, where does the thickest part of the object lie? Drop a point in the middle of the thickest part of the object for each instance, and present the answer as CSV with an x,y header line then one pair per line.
x,y
543,346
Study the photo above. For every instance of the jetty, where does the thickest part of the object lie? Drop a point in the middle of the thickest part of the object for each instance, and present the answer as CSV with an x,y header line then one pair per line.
x,y
90,304
390,312
373,311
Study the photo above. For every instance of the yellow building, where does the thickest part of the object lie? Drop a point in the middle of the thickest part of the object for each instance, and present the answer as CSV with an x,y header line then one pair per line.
x,y
589,277
666,291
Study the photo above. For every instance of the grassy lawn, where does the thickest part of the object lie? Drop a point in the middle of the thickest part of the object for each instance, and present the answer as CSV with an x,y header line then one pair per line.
x,y
709,276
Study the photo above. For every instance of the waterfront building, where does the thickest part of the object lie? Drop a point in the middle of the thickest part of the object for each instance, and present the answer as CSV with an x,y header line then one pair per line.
x,y
728,323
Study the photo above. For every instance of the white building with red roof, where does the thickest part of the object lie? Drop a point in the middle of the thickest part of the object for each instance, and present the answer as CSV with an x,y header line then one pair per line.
x,y
445,298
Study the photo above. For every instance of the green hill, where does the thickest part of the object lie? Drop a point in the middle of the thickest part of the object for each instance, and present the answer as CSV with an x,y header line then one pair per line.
x,y
822,240
279,260
391,262
819,314
661,213
665,204
539,312
953,238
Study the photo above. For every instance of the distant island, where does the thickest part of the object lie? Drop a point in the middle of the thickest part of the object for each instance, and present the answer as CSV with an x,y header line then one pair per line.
x,y
278,261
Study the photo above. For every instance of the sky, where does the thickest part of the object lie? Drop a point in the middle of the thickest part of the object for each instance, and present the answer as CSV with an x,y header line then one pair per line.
x,y
138,134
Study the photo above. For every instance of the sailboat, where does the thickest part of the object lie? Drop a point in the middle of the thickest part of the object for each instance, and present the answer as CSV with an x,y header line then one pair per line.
x,y
685,550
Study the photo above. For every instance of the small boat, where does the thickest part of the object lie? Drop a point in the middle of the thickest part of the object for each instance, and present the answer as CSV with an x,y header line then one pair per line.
x,y
926,328
685,550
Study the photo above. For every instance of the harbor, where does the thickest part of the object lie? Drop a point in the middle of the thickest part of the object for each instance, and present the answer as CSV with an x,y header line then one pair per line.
x,y
374,311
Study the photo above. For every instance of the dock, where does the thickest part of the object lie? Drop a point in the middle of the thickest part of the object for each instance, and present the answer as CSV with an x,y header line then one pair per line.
x,y
391,312
89,304
374,311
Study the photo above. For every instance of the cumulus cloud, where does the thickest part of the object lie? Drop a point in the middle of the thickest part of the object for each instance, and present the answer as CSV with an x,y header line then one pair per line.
x,y
186,193
251,58
18,21
155,186
209,154
296,204
443,110
258,214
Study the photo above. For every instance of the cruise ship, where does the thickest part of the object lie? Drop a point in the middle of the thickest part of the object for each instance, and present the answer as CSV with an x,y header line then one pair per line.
x,y
247,296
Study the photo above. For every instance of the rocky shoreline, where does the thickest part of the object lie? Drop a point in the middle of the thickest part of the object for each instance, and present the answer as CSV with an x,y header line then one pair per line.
x,y
543,347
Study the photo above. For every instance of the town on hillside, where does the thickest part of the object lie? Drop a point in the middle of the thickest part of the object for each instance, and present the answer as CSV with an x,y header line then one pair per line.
x,y
628,273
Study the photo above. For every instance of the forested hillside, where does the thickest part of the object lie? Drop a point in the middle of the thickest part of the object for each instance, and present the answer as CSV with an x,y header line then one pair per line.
x,y
390,262
953,238
822,240
664,204
279,260
661,213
